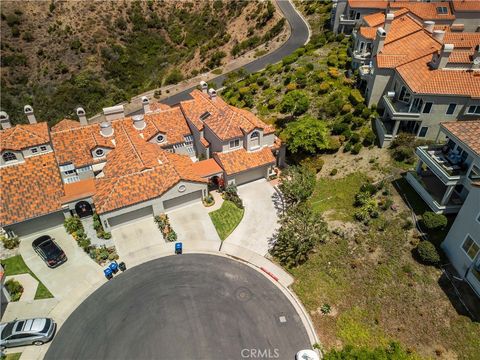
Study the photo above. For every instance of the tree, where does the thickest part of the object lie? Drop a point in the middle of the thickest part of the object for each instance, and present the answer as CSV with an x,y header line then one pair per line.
x,y
295,102
297,184
306,134
300,231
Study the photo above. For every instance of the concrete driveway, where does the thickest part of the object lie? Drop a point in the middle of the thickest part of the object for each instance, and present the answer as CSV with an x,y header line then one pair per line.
x,y
260,219
192,223
70,278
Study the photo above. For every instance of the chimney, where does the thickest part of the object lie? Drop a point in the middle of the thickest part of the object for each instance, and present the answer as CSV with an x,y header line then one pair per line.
x,y
379,40
5,120
438,35
475,57
204,86
428,26
139,122
114,112
82,116
28,110
212,93
146,104
106,129
388,21
440,61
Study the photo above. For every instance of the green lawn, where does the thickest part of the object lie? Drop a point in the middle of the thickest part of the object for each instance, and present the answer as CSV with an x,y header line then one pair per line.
x,y
337,194
13,356
15,265
226,218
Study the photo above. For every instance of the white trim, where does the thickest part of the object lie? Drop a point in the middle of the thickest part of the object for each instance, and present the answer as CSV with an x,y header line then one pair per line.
x,y
475,242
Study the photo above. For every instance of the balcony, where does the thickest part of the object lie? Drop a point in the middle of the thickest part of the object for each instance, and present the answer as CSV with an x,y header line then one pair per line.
x,y
344,20
398,110
361,56
384,132
433,191
442,163
365,71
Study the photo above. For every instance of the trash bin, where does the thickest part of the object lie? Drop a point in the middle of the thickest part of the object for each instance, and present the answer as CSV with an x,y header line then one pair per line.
x,y
108,273
178,248
122,266
114,267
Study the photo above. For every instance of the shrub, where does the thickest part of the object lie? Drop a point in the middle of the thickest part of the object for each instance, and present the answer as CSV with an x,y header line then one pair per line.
x,y
355,97
333,144
346,108
434,221
348,147
14,288
73,224
10,243
356,148
313,163
105,235
339,128
355,138
369,138
323,88
231,194
171,236
85,243
333,172
428,253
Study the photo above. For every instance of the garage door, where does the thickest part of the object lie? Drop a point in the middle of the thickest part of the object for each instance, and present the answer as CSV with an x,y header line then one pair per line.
x,y
251,175
130,216
183,200
39,224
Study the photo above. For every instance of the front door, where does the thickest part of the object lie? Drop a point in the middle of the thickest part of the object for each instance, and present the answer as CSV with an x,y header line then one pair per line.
x,y
83,208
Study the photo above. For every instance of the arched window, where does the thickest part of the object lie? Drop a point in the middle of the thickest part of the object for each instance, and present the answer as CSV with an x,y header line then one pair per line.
x,y
160,138
9,156
254,135
99,152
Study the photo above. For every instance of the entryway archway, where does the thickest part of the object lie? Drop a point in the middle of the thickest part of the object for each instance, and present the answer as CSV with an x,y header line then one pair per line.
x,y
83,208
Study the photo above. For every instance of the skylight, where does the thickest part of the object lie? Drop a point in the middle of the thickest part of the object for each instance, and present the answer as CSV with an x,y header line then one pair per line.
x,y
205,115
442,10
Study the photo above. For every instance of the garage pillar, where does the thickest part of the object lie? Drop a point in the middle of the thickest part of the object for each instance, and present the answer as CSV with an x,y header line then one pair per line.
x,y
67,213
158,208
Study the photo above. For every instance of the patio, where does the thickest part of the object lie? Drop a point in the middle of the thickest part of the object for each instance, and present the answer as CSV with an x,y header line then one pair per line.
x,y
437,189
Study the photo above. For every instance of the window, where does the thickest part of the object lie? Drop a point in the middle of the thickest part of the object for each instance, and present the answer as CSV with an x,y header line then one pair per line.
x,y
470,247
427,108
474,173
423,131
9,156
451,109
442,10
34,150
204,116
357,16
255,134
474,110
69,172
160,138
234,143
99,152
43,148
404,95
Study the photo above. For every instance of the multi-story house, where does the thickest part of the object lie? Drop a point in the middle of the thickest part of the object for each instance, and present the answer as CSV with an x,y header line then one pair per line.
x,y
447,168
419,77
129,167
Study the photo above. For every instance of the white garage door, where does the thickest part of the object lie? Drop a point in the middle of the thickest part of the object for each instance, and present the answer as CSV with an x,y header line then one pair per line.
x,y
183,200
130,216
251,175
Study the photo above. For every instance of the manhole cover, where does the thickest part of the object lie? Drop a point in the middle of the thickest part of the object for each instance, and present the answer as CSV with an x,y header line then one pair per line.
x,y
243,294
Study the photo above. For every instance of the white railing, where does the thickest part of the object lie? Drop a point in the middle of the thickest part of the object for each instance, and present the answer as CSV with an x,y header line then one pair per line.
x,y
383,136
438,170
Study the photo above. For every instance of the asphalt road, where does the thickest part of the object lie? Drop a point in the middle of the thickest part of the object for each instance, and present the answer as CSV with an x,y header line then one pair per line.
x,y
189,307
298,37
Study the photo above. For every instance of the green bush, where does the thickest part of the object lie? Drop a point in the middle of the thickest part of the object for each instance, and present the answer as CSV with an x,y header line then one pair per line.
x,y
356,148
73,224
14,288
333,172
369,138
355,138
434,221
230,194
315,163
85,243
355,97
105,235
427,253
171,236
10,243
323,88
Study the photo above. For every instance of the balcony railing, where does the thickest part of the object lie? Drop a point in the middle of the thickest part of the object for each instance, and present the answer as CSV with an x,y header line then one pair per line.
x,y
440,164
385,136
344,20
365,71
362,56
399,110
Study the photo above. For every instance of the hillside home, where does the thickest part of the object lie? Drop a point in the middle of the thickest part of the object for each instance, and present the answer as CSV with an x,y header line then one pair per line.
x,y
129,167
446,169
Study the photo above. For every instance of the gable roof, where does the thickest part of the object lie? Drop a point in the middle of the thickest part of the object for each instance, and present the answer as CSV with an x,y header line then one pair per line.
x,y
24,136
170,122
425,10
368,4
467,132
240,160
378,18
466,5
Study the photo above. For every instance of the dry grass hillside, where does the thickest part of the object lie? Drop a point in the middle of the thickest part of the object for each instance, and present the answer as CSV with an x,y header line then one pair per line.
x,y
57,55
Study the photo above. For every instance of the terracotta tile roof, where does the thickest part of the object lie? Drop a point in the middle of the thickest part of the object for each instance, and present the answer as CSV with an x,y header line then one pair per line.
x,y
461,57
445,28
368,4
462,40
466,5
225,121
156,106
23,136
467,132
170,122
421,79
78,190
206,168
368,32
204,142
65,124
402,27
378,19
240,160
425,10
30,189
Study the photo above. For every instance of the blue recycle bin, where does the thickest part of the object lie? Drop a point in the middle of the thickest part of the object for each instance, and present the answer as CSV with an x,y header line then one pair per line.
x,y
108,273
178,248
114,267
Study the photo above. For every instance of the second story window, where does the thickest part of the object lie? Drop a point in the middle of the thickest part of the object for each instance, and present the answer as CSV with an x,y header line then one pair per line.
x,y
234,143
427,108
99,152
404,95
34,150
451,109
473,110
43,148
470,247
442,10
9,156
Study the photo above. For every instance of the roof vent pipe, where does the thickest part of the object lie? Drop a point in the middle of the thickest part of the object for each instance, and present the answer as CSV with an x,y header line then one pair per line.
x,y
204,86
145,104
138,122
379,40
428,26
106,129
440,60
438,35
28,110
5,120
212,93
82,116
388,21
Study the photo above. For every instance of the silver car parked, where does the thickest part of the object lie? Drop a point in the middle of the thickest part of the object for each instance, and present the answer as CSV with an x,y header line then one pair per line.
x,y
26,332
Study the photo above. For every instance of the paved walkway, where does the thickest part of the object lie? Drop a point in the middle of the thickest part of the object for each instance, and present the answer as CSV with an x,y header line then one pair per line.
x,y
92,233
260,221
29,284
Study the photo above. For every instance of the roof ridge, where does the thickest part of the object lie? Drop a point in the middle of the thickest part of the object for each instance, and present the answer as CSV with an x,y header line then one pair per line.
x,y
133,145
27,130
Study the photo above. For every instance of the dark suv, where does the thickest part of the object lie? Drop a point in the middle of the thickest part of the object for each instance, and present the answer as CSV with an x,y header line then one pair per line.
x,y
49,251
